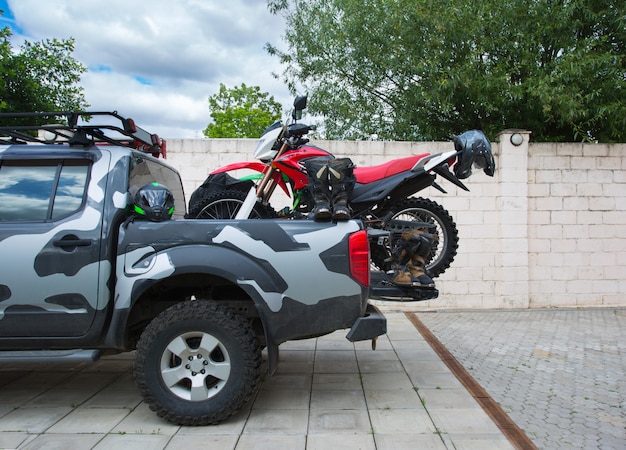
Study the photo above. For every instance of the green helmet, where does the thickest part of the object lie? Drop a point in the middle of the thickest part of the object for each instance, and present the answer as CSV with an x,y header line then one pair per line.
x,y
154,202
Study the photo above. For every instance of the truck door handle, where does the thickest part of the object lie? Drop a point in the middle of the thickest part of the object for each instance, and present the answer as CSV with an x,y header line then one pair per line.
x,y
71,241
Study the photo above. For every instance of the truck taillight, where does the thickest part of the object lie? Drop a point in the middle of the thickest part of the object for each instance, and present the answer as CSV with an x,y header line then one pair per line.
x,y
360,257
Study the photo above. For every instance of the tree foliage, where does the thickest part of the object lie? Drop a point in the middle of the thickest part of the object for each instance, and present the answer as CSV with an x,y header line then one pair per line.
x,y
41,76
426,69
241,112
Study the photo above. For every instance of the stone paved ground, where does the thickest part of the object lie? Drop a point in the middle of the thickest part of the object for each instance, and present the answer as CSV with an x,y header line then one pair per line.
x,y
559,374
328,393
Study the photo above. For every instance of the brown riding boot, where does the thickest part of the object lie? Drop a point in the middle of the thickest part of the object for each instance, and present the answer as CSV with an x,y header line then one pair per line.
x,y
408,255
417,268
417,264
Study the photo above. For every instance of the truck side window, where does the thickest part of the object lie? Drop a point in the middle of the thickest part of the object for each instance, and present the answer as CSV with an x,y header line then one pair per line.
x,y
42,190
70,190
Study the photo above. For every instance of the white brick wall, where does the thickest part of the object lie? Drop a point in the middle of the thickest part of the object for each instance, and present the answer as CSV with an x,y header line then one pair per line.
x,y
549,230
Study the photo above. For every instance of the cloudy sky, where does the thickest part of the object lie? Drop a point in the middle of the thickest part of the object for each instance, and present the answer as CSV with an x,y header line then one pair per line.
x,y
158,61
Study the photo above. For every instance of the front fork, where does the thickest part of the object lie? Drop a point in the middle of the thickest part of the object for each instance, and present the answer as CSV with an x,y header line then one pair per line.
x,y
262,192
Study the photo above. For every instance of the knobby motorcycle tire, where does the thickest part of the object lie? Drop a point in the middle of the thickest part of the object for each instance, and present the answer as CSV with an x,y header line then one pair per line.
x,y
424,210
224,205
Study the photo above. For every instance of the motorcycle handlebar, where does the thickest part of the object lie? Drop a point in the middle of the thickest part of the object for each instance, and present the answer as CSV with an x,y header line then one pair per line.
x,y
299,129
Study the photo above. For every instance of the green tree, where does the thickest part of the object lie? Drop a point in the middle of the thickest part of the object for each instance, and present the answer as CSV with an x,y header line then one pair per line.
x,y
241,112
424,69
41,76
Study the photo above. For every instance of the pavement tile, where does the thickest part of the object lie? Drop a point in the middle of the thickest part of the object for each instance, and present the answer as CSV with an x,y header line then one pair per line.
x,y
4,410
382,343
332,344
33,420
381,366
392,399
210,441
335,355
122,393
416,354
11,439
480,441
304,344
447,399
434,367
353,441
333,381
287,367
72,441
131,441
377,355
407,333
29,386
281,381
8,376
390,380
331,399
430,380
89,420
339,421
471,420
273,421
110,365
349,366
282,399
271,442
296,355
73,391
144,421
401,421
423,441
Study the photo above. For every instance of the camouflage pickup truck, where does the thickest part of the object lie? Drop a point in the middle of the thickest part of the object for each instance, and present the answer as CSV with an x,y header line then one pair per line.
x,y
81,276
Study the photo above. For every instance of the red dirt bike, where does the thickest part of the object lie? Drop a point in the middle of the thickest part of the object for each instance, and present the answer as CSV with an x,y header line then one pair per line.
x,y
381,196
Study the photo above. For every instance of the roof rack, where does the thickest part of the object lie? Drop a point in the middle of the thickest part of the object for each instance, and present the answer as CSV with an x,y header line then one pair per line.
x,y
83,134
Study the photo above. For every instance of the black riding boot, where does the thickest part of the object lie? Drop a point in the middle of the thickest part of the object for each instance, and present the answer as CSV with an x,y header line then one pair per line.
x,y
317,173
342,181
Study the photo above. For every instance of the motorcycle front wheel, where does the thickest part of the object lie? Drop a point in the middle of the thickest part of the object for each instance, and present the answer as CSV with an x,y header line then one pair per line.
x,y
225,205
447,236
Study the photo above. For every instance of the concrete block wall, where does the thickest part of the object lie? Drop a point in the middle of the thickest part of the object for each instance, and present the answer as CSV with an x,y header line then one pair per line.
x,y
577,224
548,230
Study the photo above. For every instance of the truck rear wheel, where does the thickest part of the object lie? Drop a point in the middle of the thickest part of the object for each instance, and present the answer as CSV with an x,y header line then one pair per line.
x,y
197,363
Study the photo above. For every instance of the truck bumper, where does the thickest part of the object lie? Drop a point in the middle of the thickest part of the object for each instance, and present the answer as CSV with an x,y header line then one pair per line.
x,y
370,326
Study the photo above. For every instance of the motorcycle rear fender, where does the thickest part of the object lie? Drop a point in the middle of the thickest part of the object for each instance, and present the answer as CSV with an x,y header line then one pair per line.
x,y
430,162
256,167
440,164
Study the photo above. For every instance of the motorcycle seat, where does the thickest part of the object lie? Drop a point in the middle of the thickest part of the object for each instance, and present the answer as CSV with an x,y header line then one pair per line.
x,y
370,174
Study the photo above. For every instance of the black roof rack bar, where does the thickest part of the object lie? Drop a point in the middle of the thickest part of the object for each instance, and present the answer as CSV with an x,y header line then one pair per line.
x,y
128,134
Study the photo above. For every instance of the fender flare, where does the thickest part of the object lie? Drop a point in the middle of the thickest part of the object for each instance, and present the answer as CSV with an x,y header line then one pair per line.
x,y
230,265
256,167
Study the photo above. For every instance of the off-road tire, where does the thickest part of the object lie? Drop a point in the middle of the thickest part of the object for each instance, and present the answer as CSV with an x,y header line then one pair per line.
x,y
225,205
182,342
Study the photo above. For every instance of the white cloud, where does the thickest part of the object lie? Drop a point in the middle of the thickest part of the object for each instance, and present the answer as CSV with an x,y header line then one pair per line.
x,y
158,61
